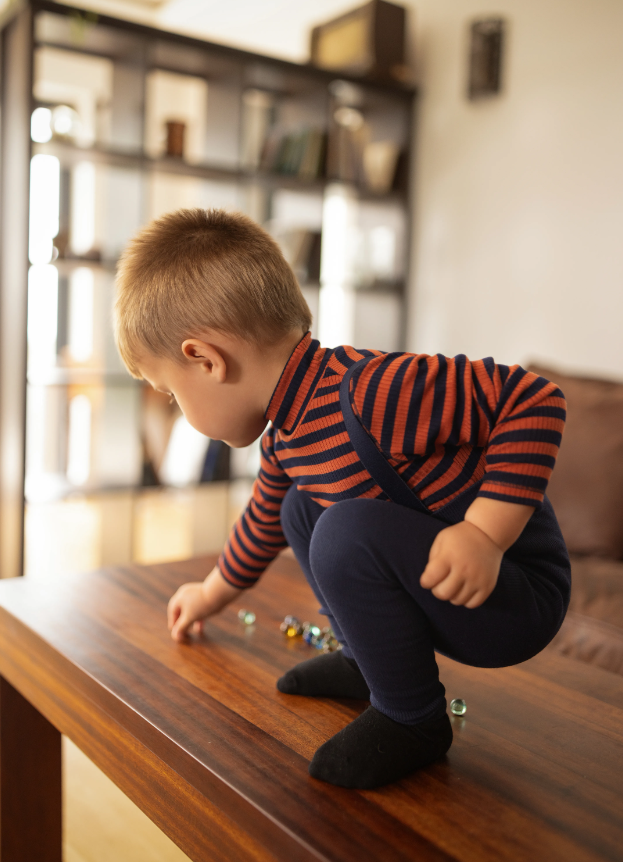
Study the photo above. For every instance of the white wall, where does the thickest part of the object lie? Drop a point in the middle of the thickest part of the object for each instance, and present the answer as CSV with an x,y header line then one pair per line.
x,y
519,200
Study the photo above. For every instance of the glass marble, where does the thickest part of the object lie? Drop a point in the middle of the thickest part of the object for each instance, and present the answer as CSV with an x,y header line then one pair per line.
x,y
291,626
312,634
458,706
246,617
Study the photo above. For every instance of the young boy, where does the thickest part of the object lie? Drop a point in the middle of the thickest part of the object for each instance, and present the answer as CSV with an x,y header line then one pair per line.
x,y
410,487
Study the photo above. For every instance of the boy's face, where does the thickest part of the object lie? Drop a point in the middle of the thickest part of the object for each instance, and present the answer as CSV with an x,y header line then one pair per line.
x,y
220,409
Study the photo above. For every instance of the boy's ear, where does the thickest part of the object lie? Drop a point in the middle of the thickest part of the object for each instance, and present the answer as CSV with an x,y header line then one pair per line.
x,y
207,356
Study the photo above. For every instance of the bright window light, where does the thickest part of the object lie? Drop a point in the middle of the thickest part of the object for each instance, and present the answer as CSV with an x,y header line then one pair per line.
x,y
35,437
83,208
65,120
41,125
382,251
42,316
185,455
339,231
79,443
81,289
336,315
337,266
45,174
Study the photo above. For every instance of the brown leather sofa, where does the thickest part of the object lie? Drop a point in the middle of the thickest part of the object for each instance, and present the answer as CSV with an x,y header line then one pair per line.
x,y
586,490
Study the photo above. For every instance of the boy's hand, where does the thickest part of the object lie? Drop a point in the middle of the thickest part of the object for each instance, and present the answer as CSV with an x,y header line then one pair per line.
x,y
463,565
194,602
464,560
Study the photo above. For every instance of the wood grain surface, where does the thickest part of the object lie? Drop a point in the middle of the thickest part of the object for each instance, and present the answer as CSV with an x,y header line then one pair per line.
x,y
197,735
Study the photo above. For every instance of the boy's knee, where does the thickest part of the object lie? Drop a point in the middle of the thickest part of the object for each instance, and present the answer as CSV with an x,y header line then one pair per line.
x,y
368,539
341,535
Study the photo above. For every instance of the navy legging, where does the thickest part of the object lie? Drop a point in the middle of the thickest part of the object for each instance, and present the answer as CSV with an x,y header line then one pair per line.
x,y
363,559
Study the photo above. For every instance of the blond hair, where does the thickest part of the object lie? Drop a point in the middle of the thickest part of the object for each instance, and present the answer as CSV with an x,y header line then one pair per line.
x,y
196,270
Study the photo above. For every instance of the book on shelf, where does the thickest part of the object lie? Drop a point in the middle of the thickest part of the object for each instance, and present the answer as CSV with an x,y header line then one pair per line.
x,y
311,165
298,154
301,248
344,154
258,108
380,160
352,158
306,255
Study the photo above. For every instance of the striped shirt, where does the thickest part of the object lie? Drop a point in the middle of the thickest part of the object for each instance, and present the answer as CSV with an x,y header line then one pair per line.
x,y
444,424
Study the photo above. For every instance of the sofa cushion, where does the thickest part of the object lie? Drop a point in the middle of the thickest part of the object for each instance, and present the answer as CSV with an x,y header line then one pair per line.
x,y
593,628
586,487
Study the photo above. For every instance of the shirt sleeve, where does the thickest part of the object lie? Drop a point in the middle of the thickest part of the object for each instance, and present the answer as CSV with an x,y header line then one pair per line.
x,y
452,414
256,538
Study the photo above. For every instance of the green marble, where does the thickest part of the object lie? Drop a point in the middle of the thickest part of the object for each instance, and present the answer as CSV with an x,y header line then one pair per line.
x,y
458,706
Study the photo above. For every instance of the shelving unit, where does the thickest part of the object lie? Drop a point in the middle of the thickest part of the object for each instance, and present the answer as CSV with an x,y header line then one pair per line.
x,y
292,146
71,155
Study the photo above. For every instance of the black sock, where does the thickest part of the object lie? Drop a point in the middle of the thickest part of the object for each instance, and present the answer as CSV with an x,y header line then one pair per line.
x,y
374,750
328,675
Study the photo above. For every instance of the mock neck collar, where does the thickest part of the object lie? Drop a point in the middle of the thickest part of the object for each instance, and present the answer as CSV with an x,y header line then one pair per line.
x,y
296,384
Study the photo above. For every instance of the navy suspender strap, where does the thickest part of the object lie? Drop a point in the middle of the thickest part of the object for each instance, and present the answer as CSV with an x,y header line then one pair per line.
x,y
370,455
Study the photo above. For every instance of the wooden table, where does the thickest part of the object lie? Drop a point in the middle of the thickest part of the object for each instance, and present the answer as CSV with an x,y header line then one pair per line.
x,y
200,739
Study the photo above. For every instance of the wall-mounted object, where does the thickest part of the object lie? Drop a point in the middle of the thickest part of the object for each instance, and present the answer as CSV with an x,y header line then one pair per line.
x,y
368,41
485,57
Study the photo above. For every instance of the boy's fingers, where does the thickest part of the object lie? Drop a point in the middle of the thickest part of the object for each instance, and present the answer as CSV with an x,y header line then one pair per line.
x,y
170,619
173,612
449,587
434,573
465,595
180,628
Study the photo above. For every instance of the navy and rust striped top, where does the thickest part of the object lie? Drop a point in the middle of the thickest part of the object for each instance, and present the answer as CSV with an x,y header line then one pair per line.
x,y
443,424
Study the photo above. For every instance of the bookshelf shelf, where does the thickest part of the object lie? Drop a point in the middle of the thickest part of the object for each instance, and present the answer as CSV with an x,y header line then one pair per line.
x,y
69,154
80,377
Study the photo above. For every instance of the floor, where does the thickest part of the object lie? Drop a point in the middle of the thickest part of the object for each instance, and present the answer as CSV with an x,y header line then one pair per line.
x,y
80,534
101,824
